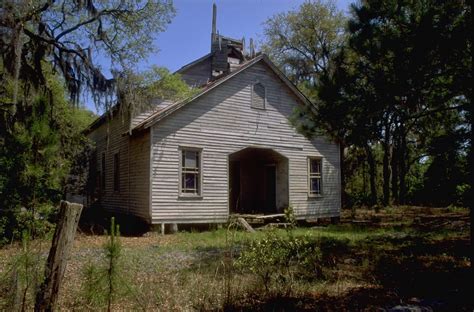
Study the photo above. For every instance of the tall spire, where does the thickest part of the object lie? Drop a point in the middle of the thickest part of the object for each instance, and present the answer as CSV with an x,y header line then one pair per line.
x,y
214,18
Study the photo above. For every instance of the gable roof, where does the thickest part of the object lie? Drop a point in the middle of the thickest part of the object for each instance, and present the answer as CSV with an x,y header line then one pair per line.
x,y
160,114
195,62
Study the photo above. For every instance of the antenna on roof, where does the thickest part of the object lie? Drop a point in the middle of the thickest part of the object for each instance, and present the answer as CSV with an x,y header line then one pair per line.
x,y
243,45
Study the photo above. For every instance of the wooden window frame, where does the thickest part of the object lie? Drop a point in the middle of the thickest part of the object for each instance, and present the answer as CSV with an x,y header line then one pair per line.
x,y
264,97
181,191
315,176
117,172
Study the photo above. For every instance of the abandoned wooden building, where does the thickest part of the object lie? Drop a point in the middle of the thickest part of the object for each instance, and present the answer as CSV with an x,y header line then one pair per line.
x,y
231,148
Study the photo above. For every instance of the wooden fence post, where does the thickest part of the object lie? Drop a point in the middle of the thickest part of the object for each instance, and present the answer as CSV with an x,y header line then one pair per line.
x,y
69,214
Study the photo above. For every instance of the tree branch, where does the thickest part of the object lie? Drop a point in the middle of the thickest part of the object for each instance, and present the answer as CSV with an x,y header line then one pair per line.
x,y
91,20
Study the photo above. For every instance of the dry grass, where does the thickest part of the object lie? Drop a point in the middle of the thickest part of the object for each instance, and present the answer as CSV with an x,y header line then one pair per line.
x,y
390,256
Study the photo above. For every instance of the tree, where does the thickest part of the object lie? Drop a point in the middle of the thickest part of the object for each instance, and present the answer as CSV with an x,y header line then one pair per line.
x,y
49,50
397,71
138,90
36,154
413,73
303,41
354,125
72,34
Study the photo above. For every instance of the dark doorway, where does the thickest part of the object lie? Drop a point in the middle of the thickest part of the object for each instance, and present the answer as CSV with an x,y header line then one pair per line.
x,y
258,181
269,192
234,185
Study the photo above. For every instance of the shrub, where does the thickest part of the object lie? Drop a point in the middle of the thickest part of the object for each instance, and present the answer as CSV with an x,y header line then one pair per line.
x,y
38,223
279,261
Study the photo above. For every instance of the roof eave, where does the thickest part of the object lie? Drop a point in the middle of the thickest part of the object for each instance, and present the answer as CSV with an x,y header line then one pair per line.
x,y
193,63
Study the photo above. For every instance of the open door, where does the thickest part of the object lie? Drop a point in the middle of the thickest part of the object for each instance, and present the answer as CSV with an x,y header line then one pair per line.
x,y
270,189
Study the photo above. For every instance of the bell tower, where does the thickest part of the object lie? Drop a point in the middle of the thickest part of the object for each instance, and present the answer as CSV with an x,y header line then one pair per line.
x,y
226,53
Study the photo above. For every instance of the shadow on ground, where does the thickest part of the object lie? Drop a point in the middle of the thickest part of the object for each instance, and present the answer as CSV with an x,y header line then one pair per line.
x,y
96,221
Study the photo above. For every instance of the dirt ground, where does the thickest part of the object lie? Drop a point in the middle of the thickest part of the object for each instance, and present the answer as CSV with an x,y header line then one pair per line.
x,y
395,259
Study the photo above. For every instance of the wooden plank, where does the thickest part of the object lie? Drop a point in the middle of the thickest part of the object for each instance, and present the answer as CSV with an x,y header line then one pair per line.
x,y
63,238
272,216
245,225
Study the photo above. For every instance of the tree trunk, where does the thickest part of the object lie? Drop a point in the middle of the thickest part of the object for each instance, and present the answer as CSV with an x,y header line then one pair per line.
x,y
63,238
364,178
372,175
402,164
394,165
470,119
386,166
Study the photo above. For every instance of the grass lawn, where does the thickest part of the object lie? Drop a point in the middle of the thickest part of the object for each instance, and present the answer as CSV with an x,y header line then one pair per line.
x,y
396,256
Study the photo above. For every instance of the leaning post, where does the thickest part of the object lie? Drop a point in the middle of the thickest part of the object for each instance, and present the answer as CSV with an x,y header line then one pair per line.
x,y
47,296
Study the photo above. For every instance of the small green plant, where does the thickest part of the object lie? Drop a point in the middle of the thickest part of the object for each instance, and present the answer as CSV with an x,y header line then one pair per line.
x,y
103,283
112,248
228,261
93,285
20,282
290,217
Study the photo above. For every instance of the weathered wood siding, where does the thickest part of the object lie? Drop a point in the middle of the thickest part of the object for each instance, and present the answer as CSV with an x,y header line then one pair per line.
x,y
134,153
198,74
141,116
222,122
140,175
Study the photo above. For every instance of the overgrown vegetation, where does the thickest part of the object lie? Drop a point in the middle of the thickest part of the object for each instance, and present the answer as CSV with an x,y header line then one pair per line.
x,y
48,67
390,85
374,260
39,149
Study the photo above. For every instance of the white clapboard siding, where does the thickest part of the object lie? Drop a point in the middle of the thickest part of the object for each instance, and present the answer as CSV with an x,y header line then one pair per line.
x,y
222,122
140,175
112,137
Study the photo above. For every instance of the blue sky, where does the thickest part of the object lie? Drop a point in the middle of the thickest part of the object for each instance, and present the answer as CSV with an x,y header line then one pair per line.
x,y
188,36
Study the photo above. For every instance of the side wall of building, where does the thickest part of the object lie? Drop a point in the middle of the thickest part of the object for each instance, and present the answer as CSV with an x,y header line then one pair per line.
x,y
222,122
131,195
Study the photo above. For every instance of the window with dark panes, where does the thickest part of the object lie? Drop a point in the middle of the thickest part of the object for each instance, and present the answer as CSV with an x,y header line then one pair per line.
x,y
190,172
315,176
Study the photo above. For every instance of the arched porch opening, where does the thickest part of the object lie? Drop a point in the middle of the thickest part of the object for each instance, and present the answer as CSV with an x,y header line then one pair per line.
x,y
258,181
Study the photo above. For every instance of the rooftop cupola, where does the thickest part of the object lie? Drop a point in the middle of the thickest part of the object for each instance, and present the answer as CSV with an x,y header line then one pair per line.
x,y
227,53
